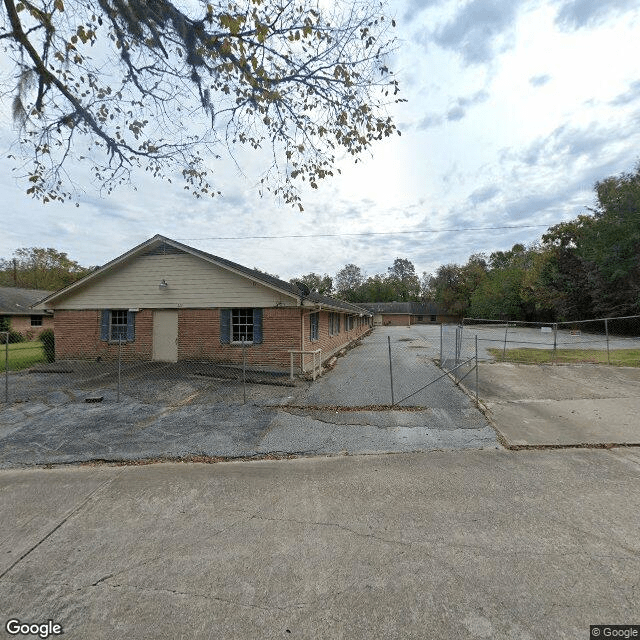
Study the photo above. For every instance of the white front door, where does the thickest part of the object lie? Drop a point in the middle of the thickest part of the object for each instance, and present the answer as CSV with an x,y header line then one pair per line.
x,y
165,336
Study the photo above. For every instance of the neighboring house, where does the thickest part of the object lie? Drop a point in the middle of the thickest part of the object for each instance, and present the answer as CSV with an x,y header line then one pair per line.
x,y
167,301
408,313
15,306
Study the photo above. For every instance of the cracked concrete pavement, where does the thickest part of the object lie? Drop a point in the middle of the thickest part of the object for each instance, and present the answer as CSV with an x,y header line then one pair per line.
x,y
192,417
447,544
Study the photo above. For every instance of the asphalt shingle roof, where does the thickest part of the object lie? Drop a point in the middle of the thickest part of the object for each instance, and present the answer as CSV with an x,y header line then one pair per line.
x,y
17,302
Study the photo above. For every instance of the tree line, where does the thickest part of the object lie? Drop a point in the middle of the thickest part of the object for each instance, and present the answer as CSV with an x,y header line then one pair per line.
x,y
399,283
40,268
588,267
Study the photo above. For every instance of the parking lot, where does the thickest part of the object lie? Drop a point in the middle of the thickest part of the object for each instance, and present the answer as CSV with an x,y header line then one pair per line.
x,y
166,411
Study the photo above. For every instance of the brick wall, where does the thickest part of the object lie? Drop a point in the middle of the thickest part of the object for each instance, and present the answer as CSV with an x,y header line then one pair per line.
x,y
328,343
199,338
22,324
78,337
396,320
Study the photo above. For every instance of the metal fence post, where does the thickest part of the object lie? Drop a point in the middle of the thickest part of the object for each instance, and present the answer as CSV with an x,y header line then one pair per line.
x,y
390,370
244,373
477,402
504,348
555,343
606,328
441,343
119,367
6,367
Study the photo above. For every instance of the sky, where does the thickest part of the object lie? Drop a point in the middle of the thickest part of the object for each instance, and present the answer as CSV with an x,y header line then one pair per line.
x,y
515,108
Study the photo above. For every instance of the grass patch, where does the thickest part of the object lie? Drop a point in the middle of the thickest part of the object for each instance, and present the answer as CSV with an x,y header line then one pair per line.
x,y
22,355
617,357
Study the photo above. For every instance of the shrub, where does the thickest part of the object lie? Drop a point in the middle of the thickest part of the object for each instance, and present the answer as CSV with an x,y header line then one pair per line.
x,y
48,344
14,336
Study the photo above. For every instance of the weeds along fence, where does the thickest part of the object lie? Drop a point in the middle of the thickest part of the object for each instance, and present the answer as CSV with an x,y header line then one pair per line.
x,y
610,341
27,375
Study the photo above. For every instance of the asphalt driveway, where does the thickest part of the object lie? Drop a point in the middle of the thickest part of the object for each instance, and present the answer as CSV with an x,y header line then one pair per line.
x,y
195,416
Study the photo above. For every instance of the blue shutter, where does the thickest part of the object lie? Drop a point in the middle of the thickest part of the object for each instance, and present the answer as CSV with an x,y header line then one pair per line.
x,y
257,326
131,326
104,325
225,326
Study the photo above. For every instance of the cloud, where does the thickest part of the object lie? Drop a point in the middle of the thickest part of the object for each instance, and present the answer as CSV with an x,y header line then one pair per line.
x,y
566,144
474,29
539,81
414,7
575,14
454,113
631,95
430,120
484,194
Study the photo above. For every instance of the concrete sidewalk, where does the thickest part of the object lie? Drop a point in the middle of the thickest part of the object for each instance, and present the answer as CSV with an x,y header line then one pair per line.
x,y
466,544
532,405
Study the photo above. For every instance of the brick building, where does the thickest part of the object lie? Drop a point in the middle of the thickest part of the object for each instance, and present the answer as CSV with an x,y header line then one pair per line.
x,y
408,313
166,301
15,307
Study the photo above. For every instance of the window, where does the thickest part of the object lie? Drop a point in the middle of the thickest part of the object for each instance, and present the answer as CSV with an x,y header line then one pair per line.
x,y
239,324
433,318
242,325
348,323
334,324
36,321
314,322
117,324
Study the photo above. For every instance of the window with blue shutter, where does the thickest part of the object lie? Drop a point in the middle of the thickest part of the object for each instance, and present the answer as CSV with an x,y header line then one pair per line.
x,y
257,326
242,324
225,326
117,324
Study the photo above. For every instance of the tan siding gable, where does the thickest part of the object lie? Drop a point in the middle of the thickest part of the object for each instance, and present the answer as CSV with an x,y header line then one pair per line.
x,y
193,283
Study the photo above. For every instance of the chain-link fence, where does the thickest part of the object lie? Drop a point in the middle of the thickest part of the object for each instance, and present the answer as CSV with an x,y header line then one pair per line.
x,y
394,366
610,341
28,375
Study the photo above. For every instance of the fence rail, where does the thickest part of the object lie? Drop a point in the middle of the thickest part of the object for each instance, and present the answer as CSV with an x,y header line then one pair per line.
x,y
611,341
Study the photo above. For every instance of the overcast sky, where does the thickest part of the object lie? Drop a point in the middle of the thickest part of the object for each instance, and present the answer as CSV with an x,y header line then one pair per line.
x,y
515,108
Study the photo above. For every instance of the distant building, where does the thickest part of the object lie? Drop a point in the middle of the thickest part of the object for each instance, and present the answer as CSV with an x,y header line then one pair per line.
x,y
408,313
15,306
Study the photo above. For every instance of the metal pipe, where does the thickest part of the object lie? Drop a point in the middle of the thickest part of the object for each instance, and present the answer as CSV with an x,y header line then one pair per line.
x,y
119,366
476,368
390,370
6,367
504,348
244,372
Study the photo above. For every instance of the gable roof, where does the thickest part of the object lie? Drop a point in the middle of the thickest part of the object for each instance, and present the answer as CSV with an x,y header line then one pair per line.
x,y
160,245
15,301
